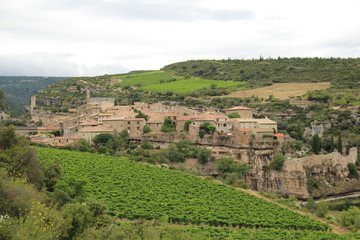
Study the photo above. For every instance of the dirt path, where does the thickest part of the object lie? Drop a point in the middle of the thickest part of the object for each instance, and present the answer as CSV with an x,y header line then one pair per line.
x,y
330,199
335,228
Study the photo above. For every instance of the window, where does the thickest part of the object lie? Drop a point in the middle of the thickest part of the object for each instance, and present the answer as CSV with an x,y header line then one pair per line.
x,y
137,122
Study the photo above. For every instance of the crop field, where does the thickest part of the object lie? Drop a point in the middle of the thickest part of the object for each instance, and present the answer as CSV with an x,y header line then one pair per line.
x,y
135,190
143,79
266,234
281,91
189,85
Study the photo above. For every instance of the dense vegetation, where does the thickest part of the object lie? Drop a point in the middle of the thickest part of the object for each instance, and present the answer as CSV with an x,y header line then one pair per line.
x,y
18,90
133,190
264,72
1,101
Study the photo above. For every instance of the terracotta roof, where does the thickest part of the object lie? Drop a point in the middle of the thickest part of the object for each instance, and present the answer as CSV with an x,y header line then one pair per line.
x,y
244,120
48,128
245,129
67,138
96,129
264,130
88,122
185,118
238,108
279,135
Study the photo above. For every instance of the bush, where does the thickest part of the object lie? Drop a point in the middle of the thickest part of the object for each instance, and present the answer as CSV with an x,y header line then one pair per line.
x,y
322,209
146,129
351,218
279,160
204,155
353,173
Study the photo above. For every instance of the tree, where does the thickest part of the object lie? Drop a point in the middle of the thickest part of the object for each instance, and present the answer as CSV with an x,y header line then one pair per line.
x,y
353,173
187,125
310,204
279,160
204,155
208,127
168,126
316,144
351,218
339,145
234,115
146,129
142,115
322,209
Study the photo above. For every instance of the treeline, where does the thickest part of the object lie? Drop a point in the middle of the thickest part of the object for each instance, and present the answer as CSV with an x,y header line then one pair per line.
x,y
262,72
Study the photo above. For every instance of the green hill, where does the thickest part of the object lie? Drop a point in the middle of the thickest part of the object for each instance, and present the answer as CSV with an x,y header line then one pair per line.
x,y
192,81
18,90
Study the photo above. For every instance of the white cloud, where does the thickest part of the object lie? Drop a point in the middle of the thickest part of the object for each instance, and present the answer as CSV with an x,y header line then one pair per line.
x,y
90,37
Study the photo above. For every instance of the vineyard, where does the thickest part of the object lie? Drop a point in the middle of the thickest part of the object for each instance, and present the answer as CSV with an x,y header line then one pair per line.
x,y
134,190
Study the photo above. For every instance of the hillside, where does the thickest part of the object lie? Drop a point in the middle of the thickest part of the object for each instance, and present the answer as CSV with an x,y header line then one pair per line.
x,y
133,190
18,90
191,82
264,72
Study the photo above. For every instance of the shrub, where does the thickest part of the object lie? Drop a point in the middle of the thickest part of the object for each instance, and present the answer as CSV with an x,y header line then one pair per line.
x,y
353,173
146,129
279,160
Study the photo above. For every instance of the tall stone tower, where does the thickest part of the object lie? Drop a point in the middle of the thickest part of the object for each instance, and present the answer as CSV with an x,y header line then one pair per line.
x,y
32,104
87,94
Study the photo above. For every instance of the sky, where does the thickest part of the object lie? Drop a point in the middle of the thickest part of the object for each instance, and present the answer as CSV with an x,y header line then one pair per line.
x,y
96,37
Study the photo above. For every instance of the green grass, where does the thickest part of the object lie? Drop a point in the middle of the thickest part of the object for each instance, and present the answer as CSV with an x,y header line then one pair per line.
x,y
189,85
133,190
143,79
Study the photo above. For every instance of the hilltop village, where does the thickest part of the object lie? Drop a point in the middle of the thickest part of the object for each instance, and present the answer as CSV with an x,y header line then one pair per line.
x,y
100,115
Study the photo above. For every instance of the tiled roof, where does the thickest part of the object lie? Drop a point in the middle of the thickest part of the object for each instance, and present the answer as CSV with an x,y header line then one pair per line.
x,y
48,128
96,129
67,138
279,135
238,108
245,129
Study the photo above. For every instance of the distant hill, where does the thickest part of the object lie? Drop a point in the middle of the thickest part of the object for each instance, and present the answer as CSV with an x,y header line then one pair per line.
x,y
193,81
262,72
18,90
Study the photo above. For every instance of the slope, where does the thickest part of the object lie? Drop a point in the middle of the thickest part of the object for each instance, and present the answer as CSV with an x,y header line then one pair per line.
x,y
133,190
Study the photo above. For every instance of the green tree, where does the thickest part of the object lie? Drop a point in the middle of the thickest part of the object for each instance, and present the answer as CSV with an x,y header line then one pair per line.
x,y
310,204
146,129
234,115
279,160
142,115
187,125
168,126
351,218
208,127
316,144
322,209
339,145
204,155
353,173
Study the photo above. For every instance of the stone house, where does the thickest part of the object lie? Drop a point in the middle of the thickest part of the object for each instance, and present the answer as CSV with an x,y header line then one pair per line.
x,y
134,126
63,141
244,112
88,133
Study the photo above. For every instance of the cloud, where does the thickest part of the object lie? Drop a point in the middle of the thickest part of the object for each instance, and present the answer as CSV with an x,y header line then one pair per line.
x,y
160,10
44,64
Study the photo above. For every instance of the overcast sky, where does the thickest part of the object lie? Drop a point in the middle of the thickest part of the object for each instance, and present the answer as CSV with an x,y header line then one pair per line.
x,y
94,37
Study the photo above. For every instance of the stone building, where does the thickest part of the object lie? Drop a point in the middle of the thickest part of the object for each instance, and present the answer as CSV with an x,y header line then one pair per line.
x,y
244,112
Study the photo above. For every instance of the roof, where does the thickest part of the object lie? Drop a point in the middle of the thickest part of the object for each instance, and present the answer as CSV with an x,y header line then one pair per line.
x,y
185,118
88,122
265,121
238,108
264,130
244,120
48,128
279,135
96,129
156,119
245,129
67,138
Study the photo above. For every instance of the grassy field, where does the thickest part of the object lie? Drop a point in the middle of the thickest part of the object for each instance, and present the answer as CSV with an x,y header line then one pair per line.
x,y
189,85
281,90
143,79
